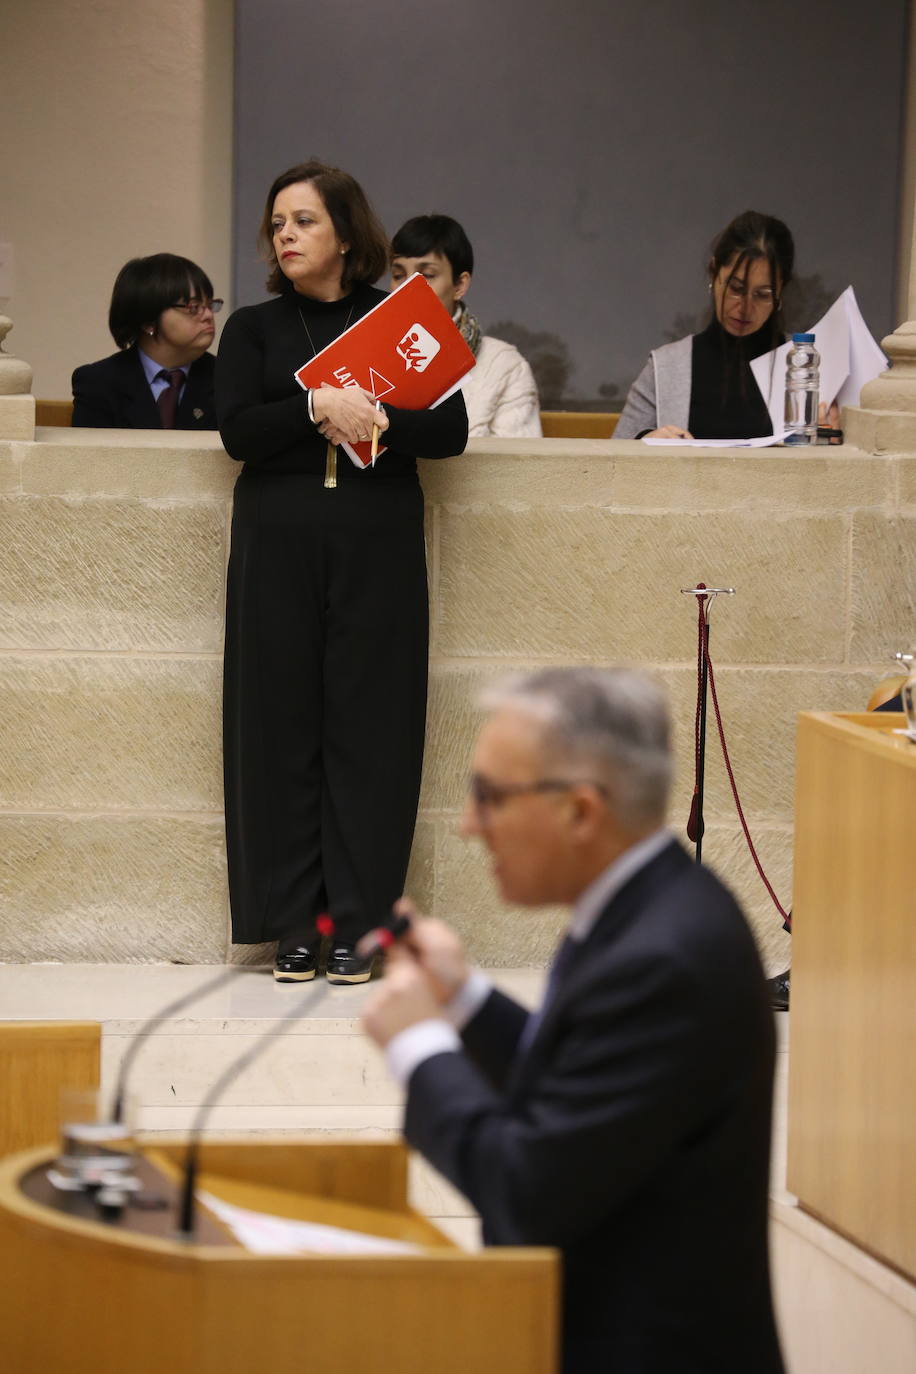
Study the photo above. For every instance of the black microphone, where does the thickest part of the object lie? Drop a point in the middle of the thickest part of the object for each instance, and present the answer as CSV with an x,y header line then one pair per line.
x,y
155,1021
325,925
229,1074
382,937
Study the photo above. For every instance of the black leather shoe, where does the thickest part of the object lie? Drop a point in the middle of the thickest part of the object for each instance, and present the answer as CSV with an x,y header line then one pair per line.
x,y
345,965
296,965
779,991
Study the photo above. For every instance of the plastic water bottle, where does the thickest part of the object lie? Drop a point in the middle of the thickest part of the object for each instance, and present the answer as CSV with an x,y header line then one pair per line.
x,y
802,385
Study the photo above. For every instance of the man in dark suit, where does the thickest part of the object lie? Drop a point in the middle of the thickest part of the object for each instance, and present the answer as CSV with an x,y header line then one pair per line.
x,y
162,317
627,1122
114,393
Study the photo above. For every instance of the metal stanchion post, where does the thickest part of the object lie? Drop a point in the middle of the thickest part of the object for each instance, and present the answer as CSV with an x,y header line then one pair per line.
x,y
708,595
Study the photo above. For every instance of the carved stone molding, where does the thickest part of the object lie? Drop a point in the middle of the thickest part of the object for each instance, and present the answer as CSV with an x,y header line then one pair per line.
x,y
885,419
17,405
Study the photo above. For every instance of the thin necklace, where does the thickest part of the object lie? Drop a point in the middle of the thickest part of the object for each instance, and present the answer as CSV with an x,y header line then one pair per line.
x,y
336,336
330,461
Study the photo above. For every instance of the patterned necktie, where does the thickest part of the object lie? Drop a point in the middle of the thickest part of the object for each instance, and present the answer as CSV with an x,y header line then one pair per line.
x,y
168,399
561,962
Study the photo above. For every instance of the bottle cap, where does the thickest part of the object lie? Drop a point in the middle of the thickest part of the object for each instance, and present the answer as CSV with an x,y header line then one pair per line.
x,y
803,338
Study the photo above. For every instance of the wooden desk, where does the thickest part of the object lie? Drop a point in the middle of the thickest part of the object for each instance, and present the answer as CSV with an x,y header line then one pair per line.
x,y
852,1058
81,1296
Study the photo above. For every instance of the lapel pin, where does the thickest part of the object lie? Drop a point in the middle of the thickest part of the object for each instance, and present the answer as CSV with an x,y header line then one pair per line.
x,y
198,414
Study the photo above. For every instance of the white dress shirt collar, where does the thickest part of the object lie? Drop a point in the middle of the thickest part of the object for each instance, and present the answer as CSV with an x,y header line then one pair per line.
x,y
599,892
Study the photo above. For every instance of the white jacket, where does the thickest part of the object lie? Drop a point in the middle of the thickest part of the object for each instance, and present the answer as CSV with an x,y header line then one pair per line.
x,y
500,393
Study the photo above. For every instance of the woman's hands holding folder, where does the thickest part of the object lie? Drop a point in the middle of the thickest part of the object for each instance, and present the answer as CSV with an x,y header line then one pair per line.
x,y
345,415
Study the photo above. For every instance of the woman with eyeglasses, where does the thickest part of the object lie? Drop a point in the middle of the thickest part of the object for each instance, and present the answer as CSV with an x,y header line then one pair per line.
x,y
162,319
702,386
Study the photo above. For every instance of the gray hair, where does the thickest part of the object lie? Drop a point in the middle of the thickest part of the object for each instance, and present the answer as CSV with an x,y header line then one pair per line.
x,y
607,725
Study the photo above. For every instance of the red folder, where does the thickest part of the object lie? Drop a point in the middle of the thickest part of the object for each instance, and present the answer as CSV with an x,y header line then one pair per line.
x,y
407,350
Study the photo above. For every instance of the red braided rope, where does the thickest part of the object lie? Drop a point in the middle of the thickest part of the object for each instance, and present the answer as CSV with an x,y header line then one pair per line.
x,y
704,641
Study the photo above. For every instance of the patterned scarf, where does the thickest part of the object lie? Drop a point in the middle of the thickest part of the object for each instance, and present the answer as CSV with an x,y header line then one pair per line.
x,y
467,326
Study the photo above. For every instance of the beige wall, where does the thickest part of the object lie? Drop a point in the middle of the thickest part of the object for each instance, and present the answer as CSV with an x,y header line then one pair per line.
x,y
112,554
117,142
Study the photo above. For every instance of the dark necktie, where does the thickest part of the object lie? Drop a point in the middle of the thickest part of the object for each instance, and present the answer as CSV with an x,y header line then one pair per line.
x,y
168,399
558,969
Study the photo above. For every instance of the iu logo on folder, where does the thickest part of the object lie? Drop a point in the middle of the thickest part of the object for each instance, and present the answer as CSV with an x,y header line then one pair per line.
x,y
407,350
418,348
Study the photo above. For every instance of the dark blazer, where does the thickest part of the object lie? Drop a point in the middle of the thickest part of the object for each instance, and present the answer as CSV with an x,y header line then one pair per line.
x,y
634,1134
114,394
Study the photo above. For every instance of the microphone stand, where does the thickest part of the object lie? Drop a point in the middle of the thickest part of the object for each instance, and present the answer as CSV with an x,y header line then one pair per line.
x,y
186,1210
156,1020
705,597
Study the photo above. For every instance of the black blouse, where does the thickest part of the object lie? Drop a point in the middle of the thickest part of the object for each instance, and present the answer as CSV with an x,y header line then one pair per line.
x,y
725,400
263,411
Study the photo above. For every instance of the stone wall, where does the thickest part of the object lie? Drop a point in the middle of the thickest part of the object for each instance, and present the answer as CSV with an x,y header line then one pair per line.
x,y
112,557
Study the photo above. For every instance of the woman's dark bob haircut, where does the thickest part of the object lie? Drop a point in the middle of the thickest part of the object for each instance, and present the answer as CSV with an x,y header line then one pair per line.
x,y
435,234
145,287
353,218
750,237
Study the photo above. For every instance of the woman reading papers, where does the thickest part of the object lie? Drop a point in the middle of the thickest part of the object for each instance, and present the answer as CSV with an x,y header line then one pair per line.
x,y
702,385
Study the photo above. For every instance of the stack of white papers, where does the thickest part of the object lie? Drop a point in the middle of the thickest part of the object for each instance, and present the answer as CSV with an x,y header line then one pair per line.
x,y
849,358
265,1234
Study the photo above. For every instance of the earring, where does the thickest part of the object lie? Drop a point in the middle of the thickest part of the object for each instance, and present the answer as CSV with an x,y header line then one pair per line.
x,y
151,332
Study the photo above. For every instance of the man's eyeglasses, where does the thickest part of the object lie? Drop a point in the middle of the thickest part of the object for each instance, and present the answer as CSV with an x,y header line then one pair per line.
x,y
488,796
195,308
761,295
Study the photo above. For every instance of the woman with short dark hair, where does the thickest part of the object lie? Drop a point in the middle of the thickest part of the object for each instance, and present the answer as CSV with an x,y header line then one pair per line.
x,y
500,392
324,701
702,386
162,319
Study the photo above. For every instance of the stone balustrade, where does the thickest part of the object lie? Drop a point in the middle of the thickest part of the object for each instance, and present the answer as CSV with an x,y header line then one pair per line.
x,y
17,404
112,558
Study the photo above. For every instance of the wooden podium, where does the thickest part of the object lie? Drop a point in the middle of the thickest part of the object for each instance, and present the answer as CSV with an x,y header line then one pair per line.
x,y
852,1059
88,1297
37,1060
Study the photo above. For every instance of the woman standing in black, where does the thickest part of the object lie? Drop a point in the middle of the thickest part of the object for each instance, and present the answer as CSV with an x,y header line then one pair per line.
x,y
327,619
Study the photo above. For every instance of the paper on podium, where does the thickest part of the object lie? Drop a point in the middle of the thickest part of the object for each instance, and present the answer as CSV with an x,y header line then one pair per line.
x,y
849,358
407,350
761,441
265,1234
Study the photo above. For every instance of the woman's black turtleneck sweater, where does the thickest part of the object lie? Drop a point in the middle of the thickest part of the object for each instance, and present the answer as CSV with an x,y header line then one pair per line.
x,y
725,400
263,411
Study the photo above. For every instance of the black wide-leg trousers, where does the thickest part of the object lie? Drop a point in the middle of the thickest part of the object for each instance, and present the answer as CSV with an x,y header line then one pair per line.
x,y
324,700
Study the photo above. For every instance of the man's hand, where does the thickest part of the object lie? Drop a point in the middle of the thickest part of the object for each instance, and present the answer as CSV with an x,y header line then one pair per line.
x,y
404,997
437,950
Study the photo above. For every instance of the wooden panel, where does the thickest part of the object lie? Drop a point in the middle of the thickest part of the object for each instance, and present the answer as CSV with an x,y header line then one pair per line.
x,y
57,413
578,424
123,1302
852,1061
372,1173
37,1060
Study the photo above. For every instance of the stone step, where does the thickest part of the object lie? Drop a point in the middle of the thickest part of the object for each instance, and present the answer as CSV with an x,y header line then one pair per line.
x,y
317,1071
